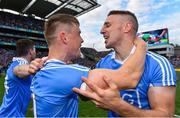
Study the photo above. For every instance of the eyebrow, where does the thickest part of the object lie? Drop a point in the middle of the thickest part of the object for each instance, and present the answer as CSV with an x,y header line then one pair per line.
x,y
106,23
79,31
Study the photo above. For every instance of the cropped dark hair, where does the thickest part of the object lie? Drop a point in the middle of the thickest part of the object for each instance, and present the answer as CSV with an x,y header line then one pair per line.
x,y
23,46
128,13
53,23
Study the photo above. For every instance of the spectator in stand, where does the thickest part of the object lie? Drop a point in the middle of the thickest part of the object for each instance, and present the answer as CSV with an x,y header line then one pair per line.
x,y
13,20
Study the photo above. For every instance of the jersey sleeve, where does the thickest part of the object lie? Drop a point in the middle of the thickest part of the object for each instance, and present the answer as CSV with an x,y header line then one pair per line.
x,y
15,64
98,64
163,74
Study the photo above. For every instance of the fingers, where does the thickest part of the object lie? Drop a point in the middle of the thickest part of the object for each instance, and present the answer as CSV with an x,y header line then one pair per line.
x,y
92,86
139,42
35,65
110,83
83,92
44,59
32,69
141,45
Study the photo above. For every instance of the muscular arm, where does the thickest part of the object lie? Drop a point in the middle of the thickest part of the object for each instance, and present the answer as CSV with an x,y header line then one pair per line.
x,y
129,74
162,100
21,71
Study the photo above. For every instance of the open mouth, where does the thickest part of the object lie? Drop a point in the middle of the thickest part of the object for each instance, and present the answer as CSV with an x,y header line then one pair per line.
x,y
106,38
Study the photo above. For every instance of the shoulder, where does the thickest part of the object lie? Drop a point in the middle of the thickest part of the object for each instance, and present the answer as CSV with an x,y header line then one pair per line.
x,y
64,66
107,58
78,67
160,70
157,60
19,60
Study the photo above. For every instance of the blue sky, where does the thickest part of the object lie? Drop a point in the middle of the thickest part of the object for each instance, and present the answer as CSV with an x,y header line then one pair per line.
x,y
152,15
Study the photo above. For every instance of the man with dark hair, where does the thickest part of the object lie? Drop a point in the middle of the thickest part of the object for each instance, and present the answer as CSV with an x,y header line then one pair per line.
x,y
155,93
17,81
52,85
23,47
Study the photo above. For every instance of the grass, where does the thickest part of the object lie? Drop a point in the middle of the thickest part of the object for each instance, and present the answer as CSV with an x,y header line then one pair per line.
x,y
177,110
88,109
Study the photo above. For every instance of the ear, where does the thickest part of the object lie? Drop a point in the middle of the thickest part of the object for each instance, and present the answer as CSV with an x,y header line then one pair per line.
x,y
127,27
63,37
30,51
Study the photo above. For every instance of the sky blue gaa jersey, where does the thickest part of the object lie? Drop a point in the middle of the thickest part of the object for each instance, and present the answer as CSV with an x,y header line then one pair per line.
x,y
157,72
52,89
17,92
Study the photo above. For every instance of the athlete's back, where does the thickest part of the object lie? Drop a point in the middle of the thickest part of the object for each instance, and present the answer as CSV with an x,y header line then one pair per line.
x,y
52,89
17,92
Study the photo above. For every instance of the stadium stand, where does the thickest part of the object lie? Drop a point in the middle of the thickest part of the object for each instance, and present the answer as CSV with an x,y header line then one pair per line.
x,y
5,58
14,27
25,25
175,60
11,31
90,57
18,21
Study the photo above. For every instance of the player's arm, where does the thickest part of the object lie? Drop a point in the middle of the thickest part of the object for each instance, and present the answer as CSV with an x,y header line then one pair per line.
x,y
129,74
21,71
36,64
162,100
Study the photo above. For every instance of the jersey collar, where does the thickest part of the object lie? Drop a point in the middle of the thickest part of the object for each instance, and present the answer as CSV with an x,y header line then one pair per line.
x,y
122,61
20,59
54,61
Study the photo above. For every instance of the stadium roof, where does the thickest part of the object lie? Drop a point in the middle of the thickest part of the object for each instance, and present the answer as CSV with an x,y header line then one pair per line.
x,y
45,8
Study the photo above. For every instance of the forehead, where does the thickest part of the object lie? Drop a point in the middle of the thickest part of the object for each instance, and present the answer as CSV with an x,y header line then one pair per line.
x,y
75,29
113,18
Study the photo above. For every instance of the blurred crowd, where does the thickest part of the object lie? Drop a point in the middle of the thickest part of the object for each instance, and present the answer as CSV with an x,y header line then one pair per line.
x,y
13,41
18,21
7,40
6,56
175,60
90,56
89,59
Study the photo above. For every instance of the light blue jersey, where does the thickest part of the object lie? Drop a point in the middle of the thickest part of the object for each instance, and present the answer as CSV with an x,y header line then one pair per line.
x,y
52,89
157,72
17,92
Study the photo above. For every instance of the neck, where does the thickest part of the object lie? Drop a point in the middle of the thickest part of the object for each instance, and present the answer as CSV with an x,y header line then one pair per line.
x,y
54,53
123,50
27,58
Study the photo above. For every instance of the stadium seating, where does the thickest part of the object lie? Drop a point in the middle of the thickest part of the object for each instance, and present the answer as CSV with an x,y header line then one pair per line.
x,y
14,27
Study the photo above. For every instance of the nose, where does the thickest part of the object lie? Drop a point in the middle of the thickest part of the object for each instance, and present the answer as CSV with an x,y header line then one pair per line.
x,y
102,30
82,40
